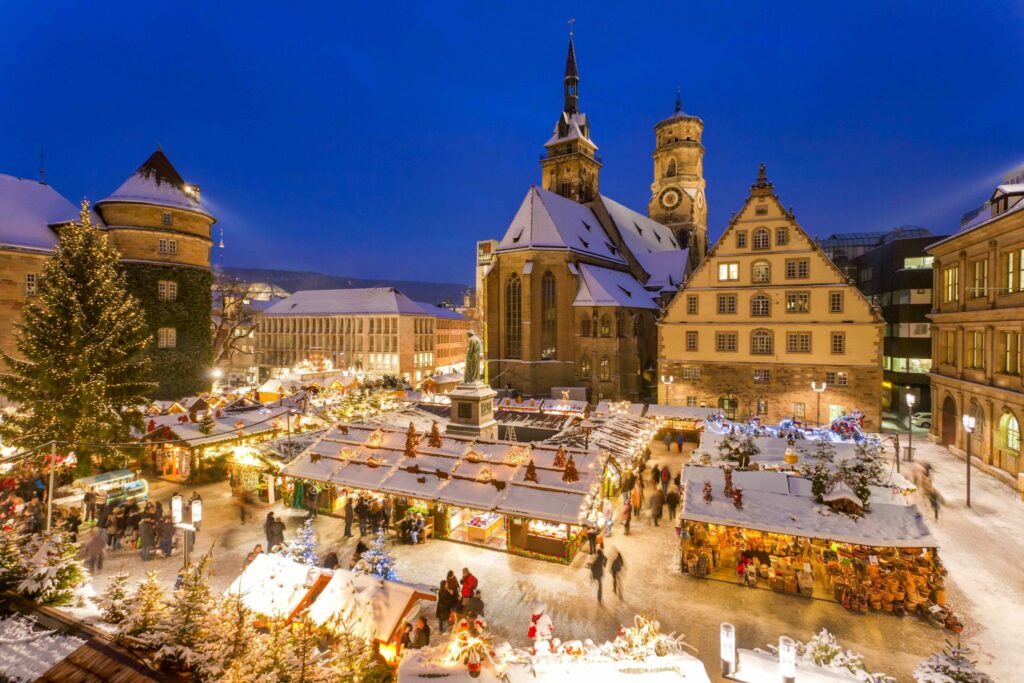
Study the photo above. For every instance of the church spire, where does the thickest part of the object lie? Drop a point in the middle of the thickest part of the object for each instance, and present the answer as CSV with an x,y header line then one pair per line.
x,y
679,99
572,79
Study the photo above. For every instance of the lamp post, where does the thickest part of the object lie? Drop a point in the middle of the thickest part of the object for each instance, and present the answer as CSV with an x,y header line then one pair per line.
x,y
818,390
177,508
667,380
911,399
727,646
969,425
787,659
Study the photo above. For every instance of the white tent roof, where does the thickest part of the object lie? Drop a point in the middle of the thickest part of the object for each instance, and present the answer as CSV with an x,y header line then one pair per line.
x,y
273,585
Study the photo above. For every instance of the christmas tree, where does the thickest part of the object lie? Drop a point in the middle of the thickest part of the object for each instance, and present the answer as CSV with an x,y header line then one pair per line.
x,y
412,439
186,626
559,460
12,560
232,637
268,660
531,472
571,474
114,600
303,547
434,440
376,561
146,611
950,666
821,471
53,573
81,370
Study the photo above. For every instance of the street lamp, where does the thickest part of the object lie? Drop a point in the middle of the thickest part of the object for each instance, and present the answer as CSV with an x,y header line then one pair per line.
x,y
969,425
667,380
911,399
177,508
727,646
818,390
787,659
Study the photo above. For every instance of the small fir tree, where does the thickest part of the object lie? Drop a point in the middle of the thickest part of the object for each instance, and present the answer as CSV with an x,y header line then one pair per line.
x,y
303,547
114,601
531,472
188,622
82,366
434,440
559,460
54,574
412,440
147,611
206,424
268,660
377,561
950,666
571,474
708,497
746,449
12,560
822,457
232,638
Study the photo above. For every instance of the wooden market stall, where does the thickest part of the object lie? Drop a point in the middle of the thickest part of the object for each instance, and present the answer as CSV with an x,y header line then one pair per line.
x,y
882,558
689,420
526,499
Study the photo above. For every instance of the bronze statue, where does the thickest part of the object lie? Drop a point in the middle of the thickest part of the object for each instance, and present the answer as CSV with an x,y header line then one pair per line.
x,y
474,359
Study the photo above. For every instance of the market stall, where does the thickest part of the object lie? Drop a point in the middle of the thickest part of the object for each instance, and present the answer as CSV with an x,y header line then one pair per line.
x,y
277,587
522,498
689,420
769,530
622,436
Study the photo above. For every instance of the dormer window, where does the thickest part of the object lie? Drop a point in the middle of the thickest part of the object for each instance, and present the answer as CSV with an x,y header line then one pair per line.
x,y
586,244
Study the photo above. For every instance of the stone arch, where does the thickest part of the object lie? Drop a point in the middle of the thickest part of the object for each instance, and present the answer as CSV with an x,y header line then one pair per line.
x,y
979,437
1009,432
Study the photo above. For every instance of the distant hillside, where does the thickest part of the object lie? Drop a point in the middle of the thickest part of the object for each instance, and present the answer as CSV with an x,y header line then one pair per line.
x,y
296,280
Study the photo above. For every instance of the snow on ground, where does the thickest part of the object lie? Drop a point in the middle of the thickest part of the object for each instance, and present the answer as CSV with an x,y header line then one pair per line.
x,y
980,547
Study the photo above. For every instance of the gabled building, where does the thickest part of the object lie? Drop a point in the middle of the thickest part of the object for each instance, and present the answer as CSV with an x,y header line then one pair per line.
x,y
764,316
572,291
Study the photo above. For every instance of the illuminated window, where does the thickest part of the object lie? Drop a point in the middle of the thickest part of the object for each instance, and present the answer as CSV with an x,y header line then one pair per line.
x,y
976,349
585,367
1009,433
604,369
1011,353
606,326
979,275
798,302
951,284
761,272
166,338
728,272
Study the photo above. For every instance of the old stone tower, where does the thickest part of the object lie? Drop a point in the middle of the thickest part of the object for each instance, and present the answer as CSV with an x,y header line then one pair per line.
x,y
677,193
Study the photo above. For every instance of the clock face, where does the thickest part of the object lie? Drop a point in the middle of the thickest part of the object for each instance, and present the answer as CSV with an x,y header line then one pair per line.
x,y
670,198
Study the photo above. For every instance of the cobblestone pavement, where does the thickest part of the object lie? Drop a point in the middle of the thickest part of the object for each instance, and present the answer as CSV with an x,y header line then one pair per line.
x,y
980,548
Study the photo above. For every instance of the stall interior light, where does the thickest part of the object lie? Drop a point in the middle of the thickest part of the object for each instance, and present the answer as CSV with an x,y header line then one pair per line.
x,y
787,658
176,504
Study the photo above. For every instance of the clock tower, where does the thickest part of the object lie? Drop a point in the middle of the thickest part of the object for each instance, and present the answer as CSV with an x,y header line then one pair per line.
x,y
677,193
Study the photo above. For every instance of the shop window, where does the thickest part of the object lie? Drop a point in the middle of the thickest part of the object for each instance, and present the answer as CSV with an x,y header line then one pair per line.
x,y
760,306
761,272
1009,433
762,239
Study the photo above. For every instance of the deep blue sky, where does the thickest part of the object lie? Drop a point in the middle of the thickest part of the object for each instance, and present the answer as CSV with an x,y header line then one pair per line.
x,y
383,139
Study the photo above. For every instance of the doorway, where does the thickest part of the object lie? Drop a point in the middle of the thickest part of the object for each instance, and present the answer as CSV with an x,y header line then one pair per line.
x,y
949,421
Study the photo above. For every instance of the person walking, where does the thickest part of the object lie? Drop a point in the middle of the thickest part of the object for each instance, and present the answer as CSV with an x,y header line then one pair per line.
x,y
672,501
679,441
591,537
243,508
618,564
90,505
609,517
276,534
656,475
348,515
668,441
362,512
627,515
268,524
146,536
597,573
656,504
166,536
666,477
94,551
628,482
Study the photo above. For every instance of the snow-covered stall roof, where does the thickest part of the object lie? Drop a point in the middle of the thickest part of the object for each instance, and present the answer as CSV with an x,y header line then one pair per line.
x,y
157,182
274,585
28,209
606,287
224,428
365,606
621,435
782,503
546,220
480,474
605,408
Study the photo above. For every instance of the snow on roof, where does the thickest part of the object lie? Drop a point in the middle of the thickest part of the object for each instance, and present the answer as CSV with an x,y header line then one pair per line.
x,y
28,651
575,124
756,666
606,287
27,210
780,503
1015,188
224,428
364,301
546,220
651,243
364,606
604,408
480,474
156,182
274,585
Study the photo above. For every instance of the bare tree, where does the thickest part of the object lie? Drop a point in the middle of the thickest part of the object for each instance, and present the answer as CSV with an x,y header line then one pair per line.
x,y
233,318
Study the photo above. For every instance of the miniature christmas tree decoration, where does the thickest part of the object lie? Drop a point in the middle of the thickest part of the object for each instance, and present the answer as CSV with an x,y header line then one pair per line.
x,y
571,474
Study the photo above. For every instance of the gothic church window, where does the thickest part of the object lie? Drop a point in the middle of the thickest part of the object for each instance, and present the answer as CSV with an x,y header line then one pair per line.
x,y
585,367
513,317
548,324
585,327
606,326
605,369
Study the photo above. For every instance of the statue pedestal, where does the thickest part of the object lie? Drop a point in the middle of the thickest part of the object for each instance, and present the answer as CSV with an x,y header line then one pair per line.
x,y
473,411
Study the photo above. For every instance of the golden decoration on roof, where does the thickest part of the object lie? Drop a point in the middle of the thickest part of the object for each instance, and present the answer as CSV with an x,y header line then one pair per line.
x,y
346,453
485,476
518,454
474,455
375,439
374,461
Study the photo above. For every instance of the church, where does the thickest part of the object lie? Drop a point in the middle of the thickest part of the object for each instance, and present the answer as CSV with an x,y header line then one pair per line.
x,y
573,290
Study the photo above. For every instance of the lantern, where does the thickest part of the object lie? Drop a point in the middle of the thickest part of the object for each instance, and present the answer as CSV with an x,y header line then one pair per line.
x,y
176,506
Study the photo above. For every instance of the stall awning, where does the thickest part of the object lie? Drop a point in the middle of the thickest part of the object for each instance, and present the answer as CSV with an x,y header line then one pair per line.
x,y
781,503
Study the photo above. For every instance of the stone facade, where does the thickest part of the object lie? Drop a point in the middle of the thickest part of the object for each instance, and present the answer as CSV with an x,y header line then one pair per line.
x,y
764,316
977,324
17,269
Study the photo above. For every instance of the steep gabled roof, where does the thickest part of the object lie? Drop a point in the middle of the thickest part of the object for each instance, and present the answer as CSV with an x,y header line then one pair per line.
x,y
156,182
546,220
606,287
651,243
28,211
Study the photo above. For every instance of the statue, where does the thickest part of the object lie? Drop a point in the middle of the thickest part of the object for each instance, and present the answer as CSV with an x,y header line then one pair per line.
x,y
474,359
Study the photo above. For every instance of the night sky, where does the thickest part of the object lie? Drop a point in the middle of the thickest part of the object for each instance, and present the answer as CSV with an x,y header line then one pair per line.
x,y
382,139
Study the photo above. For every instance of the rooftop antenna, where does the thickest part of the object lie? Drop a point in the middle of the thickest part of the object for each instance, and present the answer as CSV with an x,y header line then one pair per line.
x,y
42,165
572,20
679,98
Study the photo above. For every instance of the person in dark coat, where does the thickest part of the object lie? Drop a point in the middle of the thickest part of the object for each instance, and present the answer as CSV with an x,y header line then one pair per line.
x,y
349,511
421,634
656,475
672,501
362,513
268,524
330,561
72,523
591,538
679,441
473,606
445,601
657,504
94,550
276,533
90,505
166,536
597,572
146,535
618,564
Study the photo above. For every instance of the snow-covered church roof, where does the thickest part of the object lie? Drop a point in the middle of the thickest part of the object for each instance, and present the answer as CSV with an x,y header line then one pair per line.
x,y
157,182
606,287
28,211
651,243
570,127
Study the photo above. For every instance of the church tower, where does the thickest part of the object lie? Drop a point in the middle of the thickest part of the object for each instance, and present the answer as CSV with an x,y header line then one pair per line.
x,y
571,168
677,193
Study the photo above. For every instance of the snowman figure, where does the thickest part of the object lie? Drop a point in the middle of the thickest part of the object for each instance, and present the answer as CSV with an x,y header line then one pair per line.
x,y
541,628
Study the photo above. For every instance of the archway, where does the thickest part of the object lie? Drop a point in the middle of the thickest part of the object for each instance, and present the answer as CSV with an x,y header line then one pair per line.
x,y
949,421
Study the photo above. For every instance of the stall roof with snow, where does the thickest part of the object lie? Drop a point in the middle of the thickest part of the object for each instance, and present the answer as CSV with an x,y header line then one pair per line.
x,y
274,585
225,428
621,435
779,502
480,474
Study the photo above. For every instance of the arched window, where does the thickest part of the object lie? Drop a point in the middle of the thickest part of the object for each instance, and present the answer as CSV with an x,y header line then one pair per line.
x,y
761,342
760,306
585,327
585,367
762,239
604,371
636,324
761,272
1009,433
978,413
671,168
513,317
606,326
548,324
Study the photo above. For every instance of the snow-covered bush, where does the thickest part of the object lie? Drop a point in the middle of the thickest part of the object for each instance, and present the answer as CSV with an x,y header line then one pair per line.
x,y
115,598
950,666
53,572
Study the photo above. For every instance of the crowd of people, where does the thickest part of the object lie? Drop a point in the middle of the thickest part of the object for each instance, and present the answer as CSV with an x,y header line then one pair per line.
x,y
22,504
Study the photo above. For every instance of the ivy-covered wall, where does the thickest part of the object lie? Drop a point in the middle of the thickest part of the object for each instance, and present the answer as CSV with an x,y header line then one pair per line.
x,y
184,370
